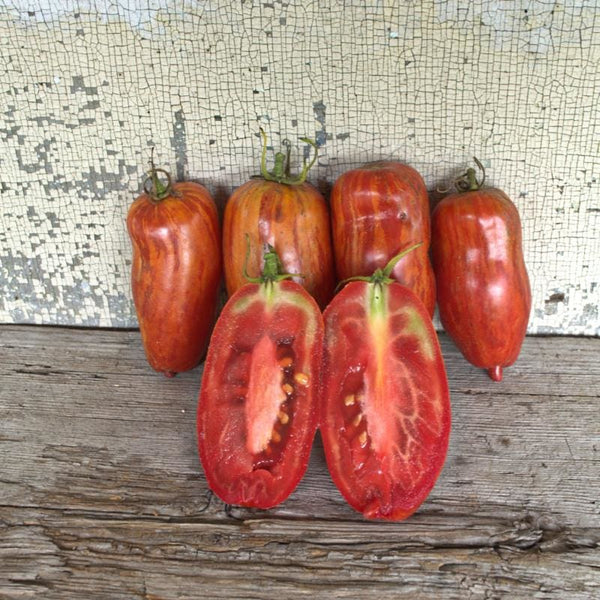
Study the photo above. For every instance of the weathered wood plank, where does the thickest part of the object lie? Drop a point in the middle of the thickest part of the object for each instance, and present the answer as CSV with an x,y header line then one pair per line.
x,y
101,492
139,558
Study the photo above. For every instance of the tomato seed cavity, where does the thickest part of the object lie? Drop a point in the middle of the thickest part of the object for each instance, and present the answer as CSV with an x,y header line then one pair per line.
x,y
270,456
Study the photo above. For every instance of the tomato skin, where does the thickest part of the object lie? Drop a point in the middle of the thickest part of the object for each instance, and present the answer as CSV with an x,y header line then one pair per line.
x,y
484,296
231,406
377,210
385,411
176,271
294,220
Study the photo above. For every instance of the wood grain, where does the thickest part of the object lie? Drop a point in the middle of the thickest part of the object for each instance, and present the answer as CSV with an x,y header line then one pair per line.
x,y
102,495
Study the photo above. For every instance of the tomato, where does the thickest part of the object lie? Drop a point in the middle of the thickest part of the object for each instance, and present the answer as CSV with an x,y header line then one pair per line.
x,y
484,296
176,270
290,215
386,409
257,411
377,210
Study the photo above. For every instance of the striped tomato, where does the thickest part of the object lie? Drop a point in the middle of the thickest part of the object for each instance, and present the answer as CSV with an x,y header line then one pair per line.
x,y
377,210
176,269
483,287
290,215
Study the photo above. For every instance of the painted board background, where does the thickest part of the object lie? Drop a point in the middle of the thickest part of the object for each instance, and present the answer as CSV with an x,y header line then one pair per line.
x,y
88,87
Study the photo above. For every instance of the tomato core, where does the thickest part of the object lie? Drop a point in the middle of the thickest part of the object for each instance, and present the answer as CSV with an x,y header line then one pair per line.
x,y
265,395
269,399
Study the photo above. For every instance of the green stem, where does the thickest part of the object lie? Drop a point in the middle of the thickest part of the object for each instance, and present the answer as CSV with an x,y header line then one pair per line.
x,y
272,268
468,181
158,190
381,277
281,167
387,270
472,183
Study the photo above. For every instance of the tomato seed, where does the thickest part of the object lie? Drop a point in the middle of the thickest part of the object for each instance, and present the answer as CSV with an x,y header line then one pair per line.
x,y
349,400
286,362
283,417
301,379
287,388
276,437
362,439
357,420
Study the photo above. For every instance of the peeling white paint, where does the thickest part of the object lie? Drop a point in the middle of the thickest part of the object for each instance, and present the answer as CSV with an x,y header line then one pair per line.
x,y
536,26
89,86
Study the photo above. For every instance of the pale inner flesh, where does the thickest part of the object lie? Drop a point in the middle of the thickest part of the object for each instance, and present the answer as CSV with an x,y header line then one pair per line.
x,y
379,390
393,406
264,396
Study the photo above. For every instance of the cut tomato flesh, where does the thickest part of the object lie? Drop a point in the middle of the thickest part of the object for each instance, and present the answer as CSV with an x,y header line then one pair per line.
x,y
265,395
256,414
386,410
400,418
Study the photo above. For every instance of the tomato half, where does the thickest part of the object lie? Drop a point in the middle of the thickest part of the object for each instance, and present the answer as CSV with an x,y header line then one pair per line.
x,y
257,411
376,210
175,271
386,408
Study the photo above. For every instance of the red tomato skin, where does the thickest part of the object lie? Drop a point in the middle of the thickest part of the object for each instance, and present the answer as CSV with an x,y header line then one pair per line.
x,y
229,467
483,289
378,210
294,219
415,386
175,274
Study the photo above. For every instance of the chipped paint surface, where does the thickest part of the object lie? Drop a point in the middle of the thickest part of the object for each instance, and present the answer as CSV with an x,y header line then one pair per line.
x,y
86,91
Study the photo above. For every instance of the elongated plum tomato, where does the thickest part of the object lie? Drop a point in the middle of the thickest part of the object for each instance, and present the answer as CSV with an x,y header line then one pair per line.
x,y
288,214
376,210
483,288
257,412
176,269
386,410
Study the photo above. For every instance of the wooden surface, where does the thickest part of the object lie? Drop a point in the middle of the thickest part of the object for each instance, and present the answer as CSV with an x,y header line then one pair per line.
x,y
102,495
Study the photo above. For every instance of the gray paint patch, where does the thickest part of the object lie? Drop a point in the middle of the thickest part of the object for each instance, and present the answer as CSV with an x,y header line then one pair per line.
x,y
321,134
179,144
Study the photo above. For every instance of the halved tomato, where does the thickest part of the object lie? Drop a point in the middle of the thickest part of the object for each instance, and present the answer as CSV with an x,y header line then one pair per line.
x,y
257,411
386,406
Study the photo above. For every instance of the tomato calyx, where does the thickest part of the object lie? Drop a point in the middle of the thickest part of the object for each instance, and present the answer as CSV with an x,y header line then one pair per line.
x,y
379,280
382,276
158,190
272,269
281,168
468,182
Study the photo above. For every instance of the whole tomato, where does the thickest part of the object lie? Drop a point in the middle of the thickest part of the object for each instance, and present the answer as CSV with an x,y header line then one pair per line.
x,y
376,210
176,269
286,213
257,410
385,413
483,289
